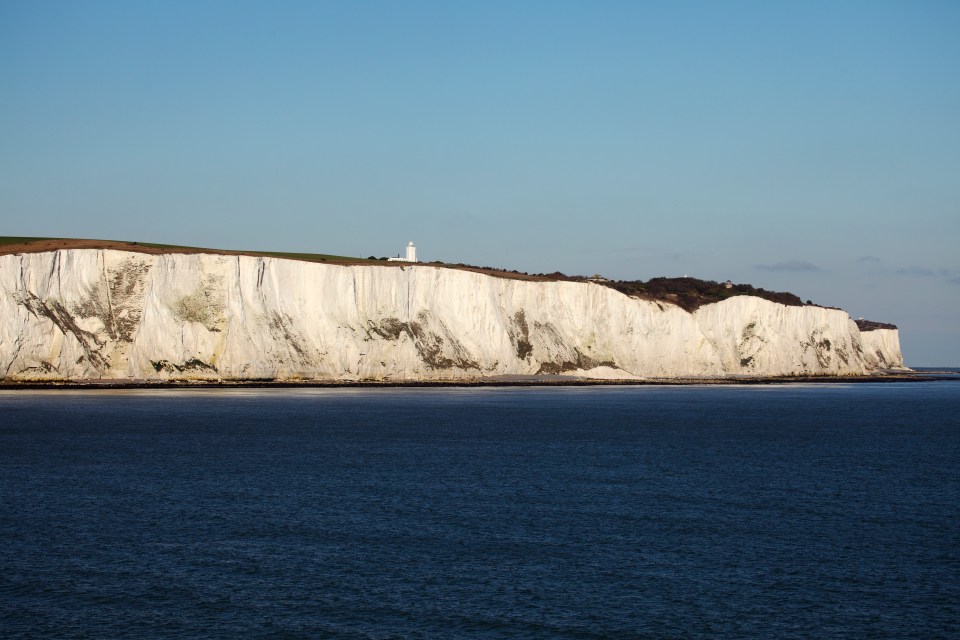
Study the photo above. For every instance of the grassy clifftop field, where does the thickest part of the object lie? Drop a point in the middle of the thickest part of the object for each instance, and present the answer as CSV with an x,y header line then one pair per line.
x,y
10,244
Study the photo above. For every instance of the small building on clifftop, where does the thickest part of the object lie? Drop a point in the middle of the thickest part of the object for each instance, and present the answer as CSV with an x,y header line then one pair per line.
x,y
411,255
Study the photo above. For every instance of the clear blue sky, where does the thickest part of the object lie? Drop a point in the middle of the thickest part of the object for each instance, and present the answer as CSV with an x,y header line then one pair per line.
x,y
808,146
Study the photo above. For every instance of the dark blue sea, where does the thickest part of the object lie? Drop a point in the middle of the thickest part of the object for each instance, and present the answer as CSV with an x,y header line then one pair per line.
x,y
783,511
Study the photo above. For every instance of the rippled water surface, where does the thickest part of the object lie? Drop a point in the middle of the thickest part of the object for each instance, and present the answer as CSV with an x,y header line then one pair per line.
x,y
781,511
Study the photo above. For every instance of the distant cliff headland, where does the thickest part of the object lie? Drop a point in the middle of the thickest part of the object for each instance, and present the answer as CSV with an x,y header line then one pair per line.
x,y
131,311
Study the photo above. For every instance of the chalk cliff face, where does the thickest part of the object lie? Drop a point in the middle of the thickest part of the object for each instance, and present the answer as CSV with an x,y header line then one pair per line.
x,y
881,349
102,314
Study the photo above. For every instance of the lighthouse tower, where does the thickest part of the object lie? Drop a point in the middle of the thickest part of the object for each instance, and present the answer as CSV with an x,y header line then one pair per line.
x,y
411,252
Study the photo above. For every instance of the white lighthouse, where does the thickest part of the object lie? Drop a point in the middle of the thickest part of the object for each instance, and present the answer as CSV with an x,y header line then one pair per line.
x,y
411,255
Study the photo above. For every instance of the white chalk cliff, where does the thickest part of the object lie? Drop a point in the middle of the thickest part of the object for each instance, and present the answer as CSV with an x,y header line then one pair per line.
x,y
104,314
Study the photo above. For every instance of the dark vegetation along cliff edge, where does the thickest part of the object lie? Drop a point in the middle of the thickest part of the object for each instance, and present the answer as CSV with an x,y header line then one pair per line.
x,y
870,325
691,293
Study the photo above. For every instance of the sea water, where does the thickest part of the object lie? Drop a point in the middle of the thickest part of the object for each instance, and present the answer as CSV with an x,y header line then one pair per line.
x,y
788,511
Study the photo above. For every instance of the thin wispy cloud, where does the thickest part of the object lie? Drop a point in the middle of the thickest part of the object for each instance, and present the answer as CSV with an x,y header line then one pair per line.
x,y
917,271
790,265
914,270
870,259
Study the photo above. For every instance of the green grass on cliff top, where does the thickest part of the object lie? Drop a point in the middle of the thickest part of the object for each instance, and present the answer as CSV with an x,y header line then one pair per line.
x,y
310,257
15,240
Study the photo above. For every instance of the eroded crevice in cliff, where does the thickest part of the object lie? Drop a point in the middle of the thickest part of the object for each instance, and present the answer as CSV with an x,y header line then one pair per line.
x,y
437,347
126,286
116,299
581,362
556,355
842,353
13,356
42,370
820,347
388,328
56,313
193,365
519,334
750,345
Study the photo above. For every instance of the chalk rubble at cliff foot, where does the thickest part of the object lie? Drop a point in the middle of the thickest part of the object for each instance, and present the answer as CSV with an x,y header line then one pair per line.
x,y
104,314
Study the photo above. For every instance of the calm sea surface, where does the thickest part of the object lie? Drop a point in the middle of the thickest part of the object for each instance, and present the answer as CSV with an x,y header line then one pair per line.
x,y
774,511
